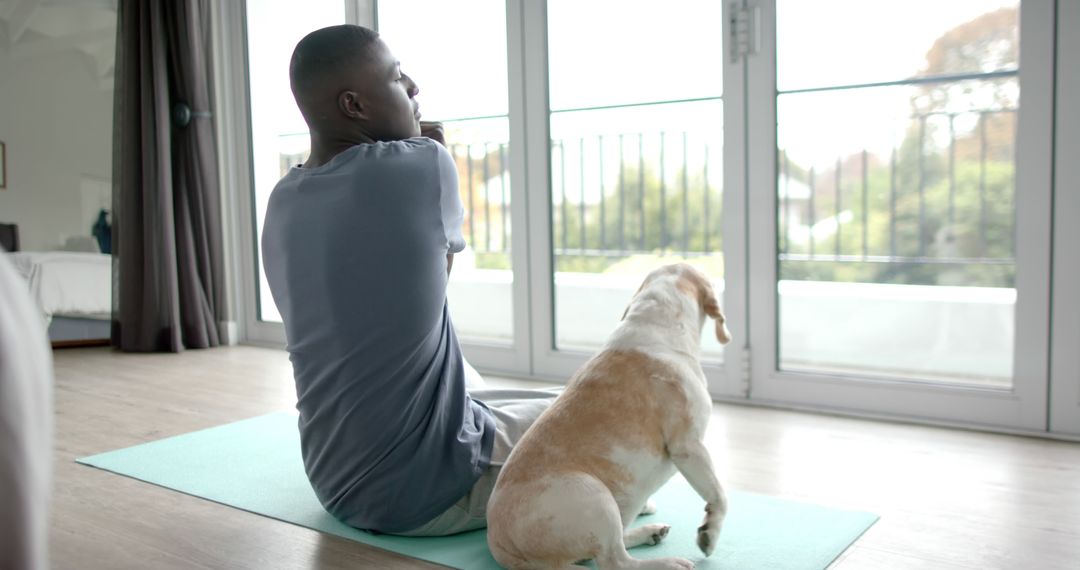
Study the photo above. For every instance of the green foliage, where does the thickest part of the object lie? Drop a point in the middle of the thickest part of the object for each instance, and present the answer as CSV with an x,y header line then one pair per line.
x,y
679,215
492,260
898,222
981,228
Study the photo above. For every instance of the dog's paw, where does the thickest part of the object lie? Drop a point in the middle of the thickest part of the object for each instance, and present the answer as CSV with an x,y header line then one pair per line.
x,y
649,534
706,537
659,532
668,564
649,508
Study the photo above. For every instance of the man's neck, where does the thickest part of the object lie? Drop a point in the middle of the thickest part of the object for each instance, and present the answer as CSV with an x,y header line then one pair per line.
x,y
325,147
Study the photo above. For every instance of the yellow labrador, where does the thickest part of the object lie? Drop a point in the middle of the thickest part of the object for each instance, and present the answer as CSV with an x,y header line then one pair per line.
x,y
627,420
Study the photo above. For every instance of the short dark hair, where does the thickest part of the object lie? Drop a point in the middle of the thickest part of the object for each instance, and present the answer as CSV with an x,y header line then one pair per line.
x,y
328,51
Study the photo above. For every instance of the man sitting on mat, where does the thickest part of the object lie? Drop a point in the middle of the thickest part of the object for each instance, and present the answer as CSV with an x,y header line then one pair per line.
x,y
358,244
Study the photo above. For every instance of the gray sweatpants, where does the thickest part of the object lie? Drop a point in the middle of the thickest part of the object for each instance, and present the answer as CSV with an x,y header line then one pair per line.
x,y
514,410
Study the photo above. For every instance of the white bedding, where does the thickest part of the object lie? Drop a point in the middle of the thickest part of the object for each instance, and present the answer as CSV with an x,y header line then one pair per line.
x,y
67,283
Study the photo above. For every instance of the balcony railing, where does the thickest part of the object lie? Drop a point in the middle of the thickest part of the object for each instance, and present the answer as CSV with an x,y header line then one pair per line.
x,y
619,195
936,231
942,197
611,197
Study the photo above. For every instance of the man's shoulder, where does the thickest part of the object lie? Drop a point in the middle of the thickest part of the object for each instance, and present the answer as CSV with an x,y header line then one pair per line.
x,y
410,163
417,148
408,159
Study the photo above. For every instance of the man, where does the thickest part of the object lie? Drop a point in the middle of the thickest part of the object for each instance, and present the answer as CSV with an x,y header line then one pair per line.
x,y
358,244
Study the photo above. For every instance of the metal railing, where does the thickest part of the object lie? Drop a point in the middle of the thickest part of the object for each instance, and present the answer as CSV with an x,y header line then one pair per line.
x,y
490,175
612,197
658,193
928,223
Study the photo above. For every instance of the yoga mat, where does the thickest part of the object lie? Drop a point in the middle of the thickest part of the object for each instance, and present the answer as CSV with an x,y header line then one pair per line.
x,y
255,465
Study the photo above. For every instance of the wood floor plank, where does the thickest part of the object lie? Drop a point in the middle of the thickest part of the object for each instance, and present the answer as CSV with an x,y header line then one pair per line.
x,y
865,558
949,499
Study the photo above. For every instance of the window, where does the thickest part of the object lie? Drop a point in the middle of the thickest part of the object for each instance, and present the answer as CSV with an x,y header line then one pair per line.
x,y
896,188
279,135
464,85
636,154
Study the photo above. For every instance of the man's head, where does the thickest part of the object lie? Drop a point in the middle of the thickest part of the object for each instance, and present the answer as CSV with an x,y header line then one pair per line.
x,y
348,85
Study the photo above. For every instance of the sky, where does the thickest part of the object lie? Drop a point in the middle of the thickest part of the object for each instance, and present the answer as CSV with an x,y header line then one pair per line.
x,y
838,42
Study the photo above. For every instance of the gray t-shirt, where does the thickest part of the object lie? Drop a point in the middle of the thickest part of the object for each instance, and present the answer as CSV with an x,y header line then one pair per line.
x,y
355,256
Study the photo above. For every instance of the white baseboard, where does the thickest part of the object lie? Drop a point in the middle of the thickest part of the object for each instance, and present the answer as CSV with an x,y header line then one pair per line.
x,y
229,331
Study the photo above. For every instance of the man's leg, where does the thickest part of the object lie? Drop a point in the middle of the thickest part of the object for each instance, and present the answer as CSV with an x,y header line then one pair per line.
x,y
514,410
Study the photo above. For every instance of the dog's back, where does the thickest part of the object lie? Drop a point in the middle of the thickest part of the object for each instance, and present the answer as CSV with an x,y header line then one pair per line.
x,y
588,465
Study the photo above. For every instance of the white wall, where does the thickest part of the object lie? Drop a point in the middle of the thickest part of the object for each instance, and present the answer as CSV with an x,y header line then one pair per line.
x,y
56,120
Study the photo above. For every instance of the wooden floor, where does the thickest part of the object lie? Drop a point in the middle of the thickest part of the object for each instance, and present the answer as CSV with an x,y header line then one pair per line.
x,y
947,498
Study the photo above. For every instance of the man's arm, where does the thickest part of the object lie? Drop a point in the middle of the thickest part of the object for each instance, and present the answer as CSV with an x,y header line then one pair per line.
x,y
434,131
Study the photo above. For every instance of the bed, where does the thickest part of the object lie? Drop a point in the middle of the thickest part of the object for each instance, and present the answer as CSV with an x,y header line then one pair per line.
x,y
73,291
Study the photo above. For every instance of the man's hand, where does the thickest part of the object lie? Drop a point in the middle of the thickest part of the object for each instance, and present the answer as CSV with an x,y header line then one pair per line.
x,y
434,131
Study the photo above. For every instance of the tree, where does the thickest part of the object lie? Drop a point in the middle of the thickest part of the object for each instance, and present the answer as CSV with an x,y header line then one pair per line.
x,y
987,43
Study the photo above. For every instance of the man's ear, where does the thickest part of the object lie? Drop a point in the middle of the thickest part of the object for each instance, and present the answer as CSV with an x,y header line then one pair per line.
x,y
349,103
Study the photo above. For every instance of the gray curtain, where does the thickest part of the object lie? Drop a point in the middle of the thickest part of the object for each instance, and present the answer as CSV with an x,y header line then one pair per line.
x,y
167,246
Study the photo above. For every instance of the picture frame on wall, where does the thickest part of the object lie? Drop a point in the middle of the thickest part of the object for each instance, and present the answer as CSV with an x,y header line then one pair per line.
x,y
3,166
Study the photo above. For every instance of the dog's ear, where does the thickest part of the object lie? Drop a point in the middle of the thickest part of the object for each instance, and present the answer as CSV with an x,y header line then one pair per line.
x,y
712,308
706,295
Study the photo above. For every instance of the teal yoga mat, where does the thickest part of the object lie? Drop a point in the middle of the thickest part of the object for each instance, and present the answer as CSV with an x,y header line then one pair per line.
x,y
255,465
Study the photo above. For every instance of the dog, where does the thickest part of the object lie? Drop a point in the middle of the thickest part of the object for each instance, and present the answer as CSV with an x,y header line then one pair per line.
x,y
630,417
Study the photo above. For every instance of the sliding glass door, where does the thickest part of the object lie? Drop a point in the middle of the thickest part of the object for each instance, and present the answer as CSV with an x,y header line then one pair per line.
x,y
868,185
904,266
279,135
632,151
1065,353
466,85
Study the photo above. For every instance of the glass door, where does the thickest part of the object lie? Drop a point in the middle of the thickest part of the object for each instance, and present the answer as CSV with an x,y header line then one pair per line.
x,y
867,184
279,135
466,86
1065,354
633,150
901,162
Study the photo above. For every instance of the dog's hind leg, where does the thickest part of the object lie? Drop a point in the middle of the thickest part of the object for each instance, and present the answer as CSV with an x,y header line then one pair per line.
x,y
650,534
626,562
613,554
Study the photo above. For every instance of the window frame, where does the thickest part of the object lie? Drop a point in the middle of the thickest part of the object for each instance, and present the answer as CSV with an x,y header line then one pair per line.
x,y
749,194
1065,355
1024,406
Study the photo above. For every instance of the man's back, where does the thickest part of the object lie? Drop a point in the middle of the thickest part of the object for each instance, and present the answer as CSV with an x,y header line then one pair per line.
x,y
355,255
